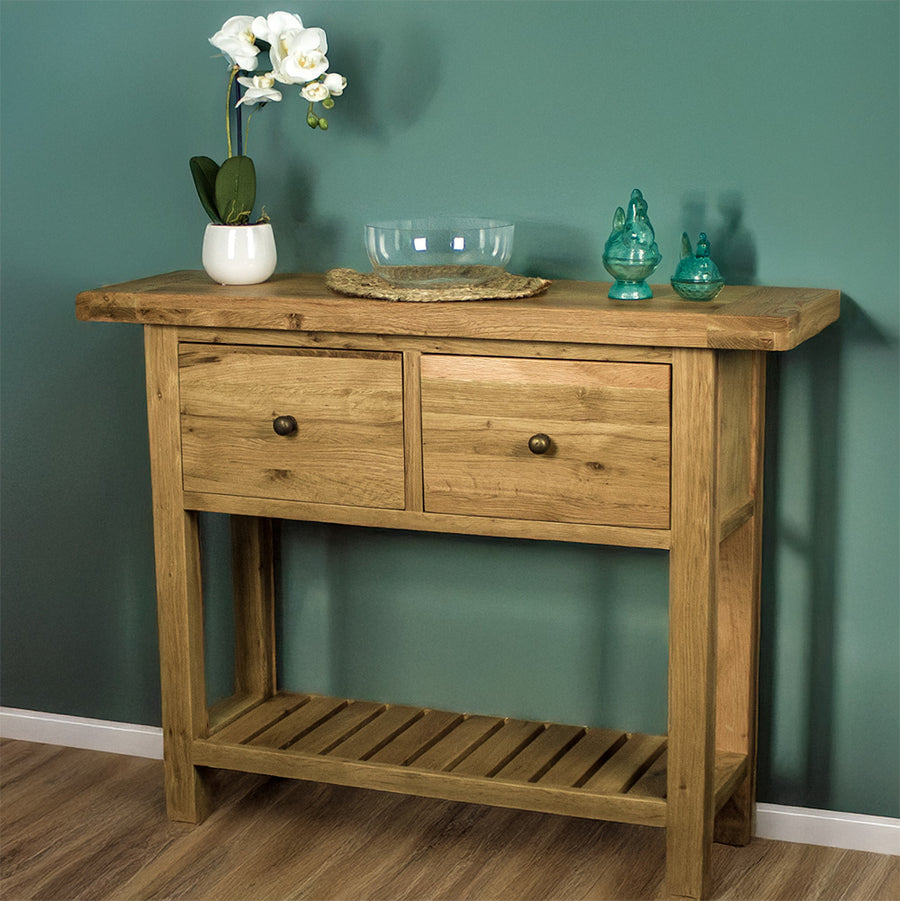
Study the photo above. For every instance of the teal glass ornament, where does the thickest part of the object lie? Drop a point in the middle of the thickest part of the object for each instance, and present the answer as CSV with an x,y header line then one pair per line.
x,y
696,277
631,253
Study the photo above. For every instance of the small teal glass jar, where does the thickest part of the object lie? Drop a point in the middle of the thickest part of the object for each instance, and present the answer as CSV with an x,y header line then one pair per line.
x,y
697,277
631,253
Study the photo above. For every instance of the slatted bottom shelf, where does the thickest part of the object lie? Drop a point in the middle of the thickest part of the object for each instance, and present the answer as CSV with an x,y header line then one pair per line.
x,y
572,770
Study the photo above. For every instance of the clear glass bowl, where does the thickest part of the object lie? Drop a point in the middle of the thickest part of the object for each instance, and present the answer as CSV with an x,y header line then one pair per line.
x,y
439,252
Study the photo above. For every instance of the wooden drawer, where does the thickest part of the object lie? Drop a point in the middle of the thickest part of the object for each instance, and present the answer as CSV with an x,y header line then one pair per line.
x,y
347,447
608,424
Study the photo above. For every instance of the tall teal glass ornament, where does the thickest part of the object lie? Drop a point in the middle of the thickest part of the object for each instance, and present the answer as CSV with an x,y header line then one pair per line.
x,y
697,277
631,253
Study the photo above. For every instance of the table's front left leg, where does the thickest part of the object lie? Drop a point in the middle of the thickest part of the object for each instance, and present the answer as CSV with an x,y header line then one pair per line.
x,y
178,585
693,564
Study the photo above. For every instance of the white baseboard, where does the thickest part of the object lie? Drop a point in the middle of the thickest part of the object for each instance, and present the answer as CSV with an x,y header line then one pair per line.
x,y
852,831
81,732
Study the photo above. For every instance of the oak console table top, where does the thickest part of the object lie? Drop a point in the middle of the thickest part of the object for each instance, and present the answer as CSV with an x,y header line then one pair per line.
x,y
745,318
566,416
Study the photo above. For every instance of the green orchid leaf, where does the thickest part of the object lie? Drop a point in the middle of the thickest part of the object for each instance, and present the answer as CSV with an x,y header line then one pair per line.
x,y
236,190
204,170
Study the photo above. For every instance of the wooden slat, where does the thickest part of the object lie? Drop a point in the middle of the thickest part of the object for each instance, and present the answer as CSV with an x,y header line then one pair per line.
x,y
541,754
626,766
336,728
377,734
423,734
460,742
259,718
653,783
499,749
583,758
227,710
295,725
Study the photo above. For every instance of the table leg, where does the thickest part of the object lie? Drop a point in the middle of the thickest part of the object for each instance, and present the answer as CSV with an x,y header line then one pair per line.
x,y
692,624
254,606
178,585
738,648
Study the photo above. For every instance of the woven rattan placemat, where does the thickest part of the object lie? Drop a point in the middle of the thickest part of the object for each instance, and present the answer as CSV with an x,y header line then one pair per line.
x,y
367,284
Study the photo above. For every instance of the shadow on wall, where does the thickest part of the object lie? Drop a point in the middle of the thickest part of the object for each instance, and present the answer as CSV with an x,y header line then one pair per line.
x,y
732,246
798,628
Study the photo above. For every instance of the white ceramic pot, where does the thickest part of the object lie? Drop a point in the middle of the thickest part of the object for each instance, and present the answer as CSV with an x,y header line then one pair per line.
x,y
239,254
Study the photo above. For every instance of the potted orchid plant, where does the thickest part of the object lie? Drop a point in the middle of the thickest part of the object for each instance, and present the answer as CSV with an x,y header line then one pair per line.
x,y
228,191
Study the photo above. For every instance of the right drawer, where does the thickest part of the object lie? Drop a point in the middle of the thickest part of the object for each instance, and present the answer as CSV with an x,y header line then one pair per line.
x,y
486,422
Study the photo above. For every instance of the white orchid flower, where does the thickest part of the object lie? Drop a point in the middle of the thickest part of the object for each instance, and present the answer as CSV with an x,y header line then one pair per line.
x,y
236,40
298,56
259,89
334,83
314,92
268,28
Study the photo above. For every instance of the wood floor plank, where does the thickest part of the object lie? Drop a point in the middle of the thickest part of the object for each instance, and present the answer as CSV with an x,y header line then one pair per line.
x,y
84,825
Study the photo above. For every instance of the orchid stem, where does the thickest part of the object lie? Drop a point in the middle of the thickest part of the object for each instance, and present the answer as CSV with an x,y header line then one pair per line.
x,y
239,118
259,106
234,72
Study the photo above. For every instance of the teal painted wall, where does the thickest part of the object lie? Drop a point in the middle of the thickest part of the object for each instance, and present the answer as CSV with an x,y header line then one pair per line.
x,y
773,126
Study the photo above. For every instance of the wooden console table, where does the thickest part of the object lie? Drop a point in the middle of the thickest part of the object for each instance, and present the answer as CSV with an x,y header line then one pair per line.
x,y
567,416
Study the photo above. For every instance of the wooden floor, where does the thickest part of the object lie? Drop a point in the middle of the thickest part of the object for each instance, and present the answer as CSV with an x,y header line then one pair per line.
x,y
86,825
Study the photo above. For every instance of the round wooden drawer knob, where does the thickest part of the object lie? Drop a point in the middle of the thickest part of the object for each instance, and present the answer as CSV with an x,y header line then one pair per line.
x,y
284,425
539,444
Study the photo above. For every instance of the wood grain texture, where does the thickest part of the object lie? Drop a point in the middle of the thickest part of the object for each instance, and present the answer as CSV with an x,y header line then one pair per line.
x,y
84,826
488,759
746,318
253,582
419,416
739,578
692,622
348,409
178,584
608,461
622,536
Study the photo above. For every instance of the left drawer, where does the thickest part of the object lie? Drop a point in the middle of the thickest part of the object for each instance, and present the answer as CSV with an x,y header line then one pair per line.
x,y
319,426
